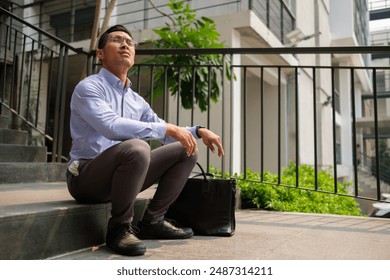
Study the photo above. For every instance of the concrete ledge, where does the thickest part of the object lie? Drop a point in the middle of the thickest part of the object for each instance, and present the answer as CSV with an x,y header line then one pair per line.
x,y
21,153
41,230
3,121
39,221
28,172
10,136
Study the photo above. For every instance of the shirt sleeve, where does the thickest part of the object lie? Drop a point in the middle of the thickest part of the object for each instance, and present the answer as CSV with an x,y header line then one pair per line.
x,y
89,102
151,116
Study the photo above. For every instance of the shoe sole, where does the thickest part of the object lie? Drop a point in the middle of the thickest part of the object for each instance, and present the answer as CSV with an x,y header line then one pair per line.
x,y
143,237
128,251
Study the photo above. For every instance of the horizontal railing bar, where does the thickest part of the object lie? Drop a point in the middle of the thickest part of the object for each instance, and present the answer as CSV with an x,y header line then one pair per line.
x,y
280,50
266,66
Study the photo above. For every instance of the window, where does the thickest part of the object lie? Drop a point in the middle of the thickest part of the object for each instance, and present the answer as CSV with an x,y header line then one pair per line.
x,y
338,153
278,15
80,30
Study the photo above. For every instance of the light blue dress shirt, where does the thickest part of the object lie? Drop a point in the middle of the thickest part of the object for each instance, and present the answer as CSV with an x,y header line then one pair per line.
x,y
104,113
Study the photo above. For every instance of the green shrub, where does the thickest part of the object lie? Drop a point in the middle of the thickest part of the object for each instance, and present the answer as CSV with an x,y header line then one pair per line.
x,y
268,195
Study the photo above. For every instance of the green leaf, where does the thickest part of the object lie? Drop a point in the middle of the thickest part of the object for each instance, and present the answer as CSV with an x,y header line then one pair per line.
x,y
190,32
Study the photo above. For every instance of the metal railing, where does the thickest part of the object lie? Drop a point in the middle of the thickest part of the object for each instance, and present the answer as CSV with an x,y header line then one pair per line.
x,y
33,81
260,113
259,141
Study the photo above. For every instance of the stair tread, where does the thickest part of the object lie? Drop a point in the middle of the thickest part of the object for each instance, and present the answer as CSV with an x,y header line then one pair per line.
x,y
25,198
26,193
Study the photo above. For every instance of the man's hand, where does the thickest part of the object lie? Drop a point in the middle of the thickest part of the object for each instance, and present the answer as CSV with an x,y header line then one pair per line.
x,y
210,139
183,136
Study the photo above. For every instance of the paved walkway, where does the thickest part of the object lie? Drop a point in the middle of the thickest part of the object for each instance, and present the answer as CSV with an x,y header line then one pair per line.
x,y
263,235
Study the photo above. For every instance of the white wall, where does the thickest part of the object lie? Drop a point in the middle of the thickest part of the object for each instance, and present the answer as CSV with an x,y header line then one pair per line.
x,y
341,19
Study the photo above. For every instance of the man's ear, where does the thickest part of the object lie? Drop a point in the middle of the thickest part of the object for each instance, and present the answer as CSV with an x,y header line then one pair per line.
x,y
99,54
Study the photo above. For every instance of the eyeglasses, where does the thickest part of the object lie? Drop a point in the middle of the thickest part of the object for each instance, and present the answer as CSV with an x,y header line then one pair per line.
x,y
117,39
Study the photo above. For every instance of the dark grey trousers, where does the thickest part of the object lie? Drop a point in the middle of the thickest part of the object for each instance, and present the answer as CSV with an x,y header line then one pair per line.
x,y
124,170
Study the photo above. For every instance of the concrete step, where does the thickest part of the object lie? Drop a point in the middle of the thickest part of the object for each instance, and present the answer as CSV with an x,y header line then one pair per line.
x,y
41,220
10,136
3,121
21,163
29,172
21,153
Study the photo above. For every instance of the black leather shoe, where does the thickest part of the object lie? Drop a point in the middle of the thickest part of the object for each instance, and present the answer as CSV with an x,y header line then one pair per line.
x,y
163,229
122,240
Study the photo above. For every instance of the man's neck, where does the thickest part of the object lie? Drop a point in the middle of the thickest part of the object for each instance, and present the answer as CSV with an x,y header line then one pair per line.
x,y
121,74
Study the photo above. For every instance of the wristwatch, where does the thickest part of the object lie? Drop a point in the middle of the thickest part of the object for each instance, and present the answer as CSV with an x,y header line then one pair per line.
x,y
197,130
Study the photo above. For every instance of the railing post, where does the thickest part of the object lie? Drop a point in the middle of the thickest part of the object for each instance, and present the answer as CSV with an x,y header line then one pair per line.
x,y
296,128
57,109
354,144
279,128
315,128
262,123
236,115
223,123
334,131
62,105
244,116
377,155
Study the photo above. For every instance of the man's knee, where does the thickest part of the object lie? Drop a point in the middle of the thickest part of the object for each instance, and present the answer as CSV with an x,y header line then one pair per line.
x,y
135,149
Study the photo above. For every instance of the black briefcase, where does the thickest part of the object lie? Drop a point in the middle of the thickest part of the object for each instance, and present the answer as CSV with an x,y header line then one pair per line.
x,y
207,205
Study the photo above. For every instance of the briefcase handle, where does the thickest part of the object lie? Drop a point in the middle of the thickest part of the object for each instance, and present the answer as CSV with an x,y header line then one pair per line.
x,y
204,174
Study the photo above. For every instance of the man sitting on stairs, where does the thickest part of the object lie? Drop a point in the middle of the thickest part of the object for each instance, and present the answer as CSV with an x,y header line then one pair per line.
x,y
110,159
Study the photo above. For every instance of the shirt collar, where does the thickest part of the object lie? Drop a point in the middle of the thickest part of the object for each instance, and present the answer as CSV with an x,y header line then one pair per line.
x,y
114,80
